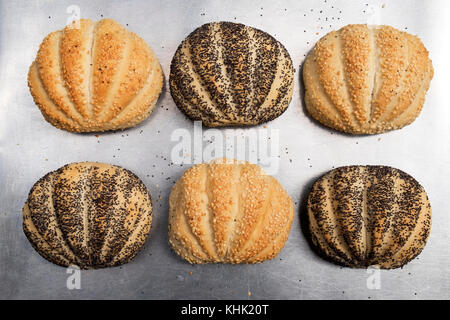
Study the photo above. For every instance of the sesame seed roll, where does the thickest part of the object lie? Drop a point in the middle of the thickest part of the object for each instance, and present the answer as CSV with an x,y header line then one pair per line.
x,y
367,79
227,211
95,76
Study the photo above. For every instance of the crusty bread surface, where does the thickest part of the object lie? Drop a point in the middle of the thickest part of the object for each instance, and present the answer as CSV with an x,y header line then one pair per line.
x,y
228,74
361,216
228,212
88,214
95,76
367,79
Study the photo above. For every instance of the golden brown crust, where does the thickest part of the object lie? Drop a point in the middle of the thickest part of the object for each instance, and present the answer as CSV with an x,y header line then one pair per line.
x,y
366,79
229,212
362,216
88,214
75,56
97,77
228,74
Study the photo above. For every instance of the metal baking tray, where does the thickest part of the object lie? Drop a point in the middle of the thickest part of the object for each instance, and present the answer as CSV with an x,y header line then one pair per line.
x,y
30,147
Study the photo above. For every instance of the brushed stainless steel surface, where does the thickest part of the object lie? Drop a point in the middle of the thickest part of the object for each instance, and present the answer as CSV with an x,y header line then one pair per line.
x,y
30,147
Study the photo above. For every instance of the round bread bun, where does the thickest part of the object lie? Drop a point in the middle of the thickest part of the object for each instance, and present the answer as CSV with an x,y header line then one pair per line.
x,y
361,216
228,212
227,74
88,214
95,76
367,79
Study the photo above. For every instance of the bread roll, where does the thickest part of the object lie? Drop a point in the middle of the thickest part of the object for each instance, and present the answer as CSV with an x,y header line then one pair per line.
x,y
229,212
97,77
362,216
366,79
228,74
88,214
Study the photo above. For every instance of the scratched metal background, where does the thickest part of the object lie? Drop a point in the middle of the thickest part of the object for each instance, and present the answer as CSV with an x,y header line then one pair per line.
x,y
29,148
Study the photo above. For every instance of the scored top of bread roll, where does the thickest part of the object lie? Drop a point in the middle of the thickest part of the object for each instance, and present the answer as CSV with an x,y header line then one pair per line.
x,y
95,76
367,79
88,214
362,216
228,73
229,212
